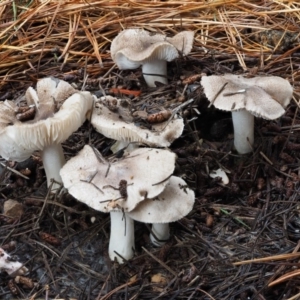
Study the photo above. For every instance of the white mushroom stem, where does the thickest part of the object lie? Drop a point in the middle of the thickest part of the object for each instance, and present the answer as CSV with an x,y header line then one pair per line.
x,y
161,232
121,236
119,145
53,160
243,126
157,69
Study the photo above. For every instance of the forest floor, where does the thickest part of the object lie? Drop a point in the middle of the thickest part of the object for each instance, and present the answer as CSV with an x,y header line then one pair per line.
x,y
240,241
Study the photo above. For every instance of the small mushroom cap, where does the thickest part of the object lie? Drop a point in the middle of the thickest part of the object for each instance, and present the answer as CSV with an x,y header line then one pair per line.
x,y
49,91
44,89
96,182
112,126
131,47
175,202
220,173
19,139
234,92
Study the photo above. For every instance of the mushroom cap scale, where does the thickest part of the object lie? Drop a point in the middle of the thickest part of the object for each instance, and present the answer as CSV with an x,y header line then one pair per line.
x,y
20,139
175,202
131,47
237,92
96,183
112,126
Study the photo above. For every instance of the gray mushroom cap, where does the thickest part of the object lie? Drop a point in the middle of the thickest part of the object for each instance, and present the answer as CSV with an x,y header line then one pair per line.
x,y
55,120
265,97
131,47
278,88
175,202
96,182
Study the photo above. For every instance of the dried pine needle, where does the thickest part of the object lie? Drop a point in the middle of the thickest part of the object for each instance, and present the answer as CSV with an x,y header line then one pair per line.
x,y
84,29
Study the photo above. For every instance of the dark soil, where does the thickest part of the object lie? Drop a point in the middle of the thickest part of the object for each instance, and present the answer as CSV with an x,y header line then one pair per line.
x,y
64,243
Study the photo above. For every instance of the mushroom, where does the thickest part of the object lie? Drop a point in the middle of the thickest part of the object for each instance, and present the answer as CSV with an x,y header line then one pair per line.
x,y
59,111
117,187
220,173
132,48
114,125
175,202
264,97
10,266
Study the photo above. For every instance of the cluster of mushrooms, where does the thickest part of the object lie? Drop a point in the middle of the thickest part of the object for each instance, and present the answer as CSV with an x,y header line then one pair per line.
x,y
140,185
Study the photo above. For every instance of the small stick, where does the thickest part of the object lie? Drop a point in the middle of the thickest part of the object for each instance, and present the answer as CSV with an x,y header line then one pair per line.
x,y
97,187
90,180
267,259
102,89
111,200
235,93
265,157
99,155
108,72
160,262
162,180
13,170
217,94
175,111
125,92
84,82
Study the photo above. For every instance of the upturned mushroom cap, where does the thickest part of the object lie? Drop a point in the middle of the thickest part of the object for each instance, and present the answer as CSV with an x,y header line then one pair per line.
x,y
131,47
55,120
278,88
175,202
264,97
49,92
98,183
111,125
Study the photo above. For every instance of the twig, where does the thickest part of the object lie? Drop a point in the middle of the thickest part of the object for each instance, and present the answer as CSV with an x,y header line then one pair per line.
x,y
267,259
14,171
160,262
175,111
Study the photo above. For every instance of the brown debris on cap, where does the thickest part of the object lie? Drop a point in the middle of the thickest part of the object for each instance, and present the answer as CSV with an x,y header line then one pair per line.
x,y
110,124
175,202
121,184
55,120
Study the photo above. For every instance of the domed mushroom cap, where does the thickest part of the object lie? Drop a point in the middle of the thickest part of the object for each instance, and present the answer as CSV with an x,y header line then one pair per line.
x,y
131,47
175,202
265,97
111,125
121,184
55,120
